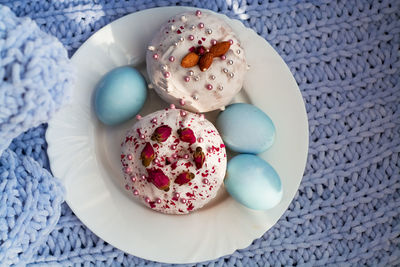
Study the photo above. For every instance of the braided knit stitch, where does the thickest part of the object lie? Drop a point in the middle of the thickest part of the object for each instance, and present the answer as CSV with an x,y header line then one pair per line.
x,y
345,58
35,76
30,205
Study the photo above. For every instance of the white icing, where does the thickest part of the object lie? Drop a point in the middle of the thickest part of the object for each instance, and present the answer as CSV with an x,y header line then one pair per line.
x,y
214,167
175,87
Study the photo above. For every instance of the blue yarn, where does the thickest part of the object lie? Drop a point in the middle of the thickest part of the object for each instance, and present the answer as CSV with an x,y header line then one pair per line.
x,y
35,79
30,205
35,76
344,56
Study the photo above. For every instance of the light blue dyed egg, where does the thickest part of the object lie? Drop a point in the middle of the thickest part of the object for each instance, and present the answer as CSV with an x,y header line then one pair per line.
x,y
245,128
120,95
253,182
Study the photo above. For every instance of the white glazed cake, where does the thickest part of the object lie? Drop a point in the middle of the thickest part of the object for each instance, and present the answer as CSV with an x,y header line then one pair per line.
x,y
173,161
189,87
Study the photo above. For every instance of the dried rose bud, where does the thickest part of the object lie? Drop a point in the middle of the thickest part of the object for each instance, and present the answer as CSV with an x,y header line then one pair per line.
x,y
147,154
201,50
158,178
184,178
199,157
161,133
187,135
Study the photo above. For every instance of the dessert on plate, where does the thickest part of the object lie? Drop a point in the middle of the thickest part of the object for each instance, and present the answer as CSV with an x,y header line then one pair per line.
x,y
196,60
174,161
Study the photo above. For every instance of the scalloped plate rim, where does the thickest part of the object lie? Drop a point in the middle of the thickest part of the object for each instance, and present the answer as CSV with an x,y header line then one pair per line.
x,y
52,142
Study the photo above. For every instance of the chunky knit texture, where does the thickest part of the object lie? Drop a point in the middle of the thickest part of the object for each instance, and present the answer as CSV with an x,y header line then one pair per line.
x,y
30,205
35,76
345,58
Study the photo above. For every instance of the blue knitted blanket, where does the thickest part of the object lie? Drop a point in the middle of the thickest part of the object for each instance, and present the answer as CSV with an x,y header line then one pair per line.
x,y
345,58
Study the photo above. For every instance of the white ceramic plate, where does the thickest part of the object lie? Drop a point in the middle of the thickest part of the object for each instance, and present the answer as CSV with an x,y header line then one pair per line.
x,y
85,154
